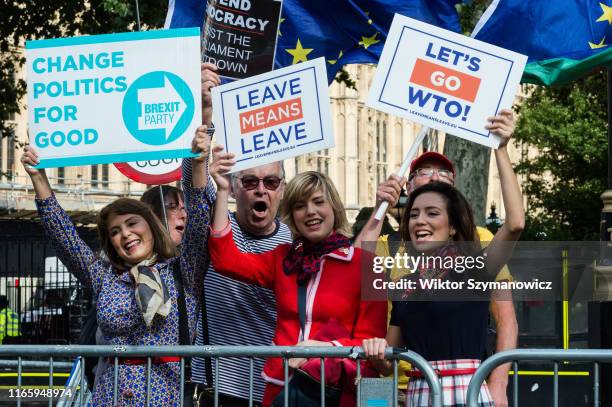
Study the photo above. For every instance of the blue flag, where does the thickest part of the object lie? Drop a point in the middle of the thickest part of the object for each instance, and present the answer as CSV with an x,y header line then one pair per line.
x,y
562,39
342,31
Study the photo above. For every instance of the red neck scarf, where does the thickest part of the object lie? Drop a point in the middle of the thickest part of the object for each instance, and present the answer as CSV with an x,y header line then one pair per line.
x,y
304,258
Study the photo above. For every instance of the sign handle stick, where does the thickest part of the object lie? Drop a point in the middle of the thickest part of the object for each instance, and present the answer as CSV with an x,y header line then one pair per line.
x,y
382,209
163,205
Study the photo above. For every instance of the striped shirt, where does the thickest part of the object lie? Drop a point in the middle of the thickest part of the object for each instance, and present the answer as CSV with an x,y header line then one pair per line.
x,y
238,313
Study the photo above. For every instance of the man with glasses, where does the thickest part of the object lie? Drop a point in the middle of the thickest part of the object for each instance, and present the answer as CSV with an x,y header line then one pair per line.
x,y
237,313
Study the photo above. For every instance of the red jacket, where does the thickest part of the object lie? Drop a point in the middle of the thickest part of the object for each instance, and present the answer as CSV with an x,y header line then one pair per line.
x,y
334,292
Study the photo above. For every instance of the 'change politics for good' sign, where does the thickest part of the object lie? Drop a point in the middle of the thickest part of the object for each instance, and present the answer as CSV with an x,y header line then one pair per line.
x,y
274,116
114,98
444,80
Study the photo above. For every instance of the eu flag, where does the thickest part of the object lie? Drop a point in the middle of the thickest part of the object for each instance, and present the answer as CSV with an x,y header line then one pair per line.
x,y
350,31
342,31
563,39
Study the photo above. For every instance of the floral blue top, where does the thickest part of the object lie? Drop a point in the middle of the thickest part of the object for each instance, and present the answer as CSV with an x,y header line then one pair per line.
x,y
119,318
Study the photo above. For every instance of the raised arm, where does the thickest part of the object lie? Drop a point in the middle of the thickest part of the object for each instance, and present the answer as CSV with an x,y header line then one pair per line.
x,y
71,249
250,268
388,191
502,245
194,252
209,79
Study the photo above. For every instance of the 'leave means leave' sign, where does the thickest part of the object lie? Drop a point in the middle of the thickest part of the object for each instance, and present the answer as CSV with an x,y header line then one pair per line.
x,y
274,116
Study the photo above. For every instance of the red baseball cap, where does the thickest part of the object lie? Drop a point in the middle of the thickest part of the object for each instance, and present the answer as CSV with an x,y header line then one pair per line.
x,y
432,156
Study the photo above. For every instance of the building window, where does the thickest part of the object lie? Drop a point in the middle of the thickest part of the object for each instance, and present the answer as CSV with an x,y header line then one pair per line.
x,y
94,176
99,176
323,160
105,175
10,157
61,176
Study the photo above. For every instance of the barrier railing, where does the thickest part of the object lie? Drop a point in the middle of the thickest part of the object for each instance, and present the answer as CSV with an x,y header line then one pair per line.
x,y
552,355
115,352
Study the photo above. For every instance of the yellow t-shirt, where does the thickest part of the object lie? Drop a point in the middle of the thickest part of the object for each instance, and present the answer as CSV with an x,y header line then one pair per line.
x,y
382,249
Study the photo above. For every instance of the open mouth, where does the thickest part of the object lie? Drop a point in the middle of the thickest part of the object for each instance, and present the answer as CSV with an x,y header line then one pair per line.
x,y
179,228
314,222
131,246
422,235
260,208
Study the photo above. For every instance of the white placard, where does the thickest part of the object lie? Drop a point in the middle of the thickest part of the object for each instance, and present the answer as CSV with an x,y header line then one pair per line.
x,y
274,116
444,80
114,98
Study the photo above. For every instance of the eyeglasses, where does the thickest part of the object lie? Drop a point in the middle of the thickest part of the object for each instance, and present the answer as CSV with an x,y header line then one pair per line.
x,y
250,182
174,207
429,172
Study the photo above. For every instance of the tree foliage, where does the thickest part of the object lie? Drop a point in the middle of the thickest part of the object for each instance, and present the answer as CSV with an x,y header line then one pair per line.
x,y
564,136
22,20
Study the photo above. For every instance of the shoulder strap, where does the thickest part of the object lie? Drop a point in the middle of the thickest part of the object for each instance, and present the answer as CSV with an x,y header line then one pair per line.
x,y
182,308
206,340
301,291
183,330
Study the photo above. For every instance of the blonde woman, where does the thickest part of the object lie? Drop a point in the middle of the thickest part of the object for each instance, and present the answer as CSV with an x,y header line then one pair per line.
x,y
320,263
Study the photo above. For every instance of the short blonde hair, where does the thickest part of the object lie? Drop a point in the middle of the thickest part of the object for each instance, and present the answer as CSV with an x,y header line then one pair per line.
x,y
301,187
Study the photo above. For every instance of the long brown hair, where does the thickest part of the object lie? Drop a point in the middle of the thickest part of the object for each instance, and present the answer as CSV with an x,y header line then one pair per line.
x,y
163,246
459,211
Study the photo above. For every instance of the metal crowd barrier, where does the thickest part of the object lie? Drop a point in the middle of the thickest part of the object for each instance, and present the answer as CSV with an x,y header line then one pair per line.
x,y
553,355
52,352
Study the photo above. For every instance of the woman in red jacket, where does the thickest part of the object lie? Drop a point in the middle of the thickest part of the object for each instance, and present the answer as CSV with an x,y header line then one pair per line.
x,y
320,259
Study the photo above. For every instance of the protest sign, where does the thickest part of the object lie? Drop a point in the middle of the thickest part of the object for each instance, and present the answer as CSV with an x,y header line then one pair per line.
x,y
239,36
114,98
152,172
444,80
274,116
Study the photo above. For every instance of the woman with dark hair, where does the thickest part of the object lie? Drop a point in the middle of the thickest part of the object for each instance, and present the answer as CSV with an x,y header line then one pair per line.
x,y
134,284
171,210
451,335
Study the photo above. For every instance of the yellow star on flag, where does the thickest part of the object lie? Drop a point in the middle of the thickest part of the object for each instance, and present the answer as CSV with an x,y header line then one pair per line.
x,y
607,13
280,34
601,44
333,61
367,41
299,53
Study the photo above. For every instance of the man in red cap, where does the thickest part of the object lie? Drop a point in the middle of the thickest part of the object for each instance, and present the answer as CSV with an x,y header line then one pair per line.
x,y
431,167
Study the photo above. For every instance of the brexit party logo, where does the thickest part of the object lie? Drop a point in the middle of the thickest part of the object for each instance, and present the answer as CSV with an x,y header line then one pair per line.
x,y
157,108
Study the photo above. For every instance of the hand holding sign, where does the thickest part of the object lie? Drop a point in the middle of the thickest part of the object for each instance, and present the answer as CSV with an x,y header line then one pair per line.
x,y
201,144
502,125
210,79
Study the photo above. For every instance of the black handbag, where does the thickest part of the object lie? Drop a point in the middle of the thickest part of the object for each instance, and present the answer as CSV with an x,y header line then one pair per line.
x,y
304,390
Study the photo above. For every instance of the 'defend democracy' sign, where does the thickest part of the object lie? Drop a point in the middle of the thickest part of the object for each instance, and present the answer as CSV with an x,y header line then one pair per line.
x,y
274,116
444,80
115,97
239,36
